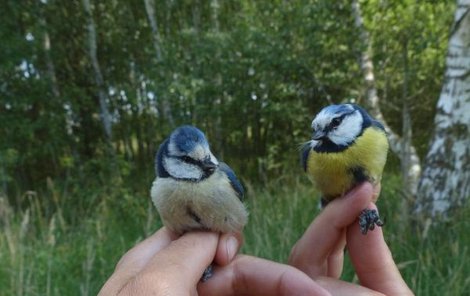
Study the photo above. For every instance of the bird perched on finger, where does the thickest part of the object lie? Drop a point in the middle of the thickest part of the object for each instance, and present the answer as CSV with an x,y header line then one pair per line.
x,y
348,147
193,190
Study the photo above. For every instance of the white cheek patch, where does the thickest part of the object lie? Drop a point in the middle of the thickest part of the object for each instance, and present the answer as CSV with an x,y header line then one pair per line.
x,y
213,159
181,170
173,150
348,130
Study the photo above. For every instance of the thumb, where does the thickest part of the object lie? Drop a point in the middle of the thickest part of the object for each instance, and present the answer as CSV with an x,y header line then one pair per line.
x,y
185,259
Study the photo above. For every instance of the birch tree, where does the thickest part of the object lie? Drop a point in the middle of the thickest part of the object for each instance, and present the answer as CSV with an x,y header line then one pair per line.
x,y
150,10
401,146
92,52
152,18
445,183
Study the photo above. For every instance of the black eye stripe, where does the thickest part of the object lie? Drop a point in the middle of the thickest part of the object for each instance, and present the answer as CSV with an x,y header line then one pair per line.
x,y
187,159
337,120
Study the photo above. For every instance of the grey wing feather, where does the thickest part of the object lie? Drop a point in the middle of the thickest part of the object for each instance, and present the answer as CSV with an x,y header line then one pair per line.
x,y
304,155
236,185
159,168
378,124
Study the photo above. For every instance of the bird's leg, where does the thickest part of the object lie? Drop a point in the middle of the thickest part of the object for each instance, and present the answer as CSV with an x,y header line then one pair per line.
x,y
368,219
208,273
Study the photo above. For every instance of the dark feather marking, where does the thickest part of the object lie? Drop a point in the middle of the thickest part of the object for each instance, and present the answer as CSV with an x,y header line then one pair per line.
x,y
324,202
193,215
378,124
236,185
359,174
159,168
328,146
368,120
304,155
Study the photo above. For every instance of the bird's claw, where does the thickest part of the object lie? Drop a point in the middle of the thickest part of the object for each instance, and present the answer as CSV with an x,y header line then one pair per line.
x,y
368,219
208,273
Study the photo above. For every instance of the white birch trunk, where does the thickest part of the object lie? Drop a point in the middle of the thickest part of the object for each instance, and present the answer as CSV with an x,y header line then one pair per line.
x,y
408,154
401,146
51,73
49,63
150,10
445,183
218,100
92,51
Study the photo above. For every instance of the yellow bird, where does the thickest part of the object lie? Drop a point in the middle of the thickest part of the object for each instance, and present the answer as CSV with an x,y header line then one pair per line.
x,y
347,148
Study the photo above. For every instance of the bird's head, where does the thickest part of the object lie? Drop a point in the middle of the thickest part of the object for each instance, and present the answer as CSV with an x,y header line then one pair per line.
x,y
336,127
186,155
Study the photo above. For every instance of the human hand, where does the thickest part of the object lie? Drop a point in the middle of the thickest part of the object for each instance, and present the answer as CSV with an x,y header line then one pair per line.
x,y
320,251
164,264
167,264
248,275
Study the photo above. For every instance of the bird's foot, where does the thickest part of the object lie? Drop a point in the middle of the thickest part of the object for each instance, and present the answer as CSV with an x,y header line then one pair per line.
x,y
368,219
208,273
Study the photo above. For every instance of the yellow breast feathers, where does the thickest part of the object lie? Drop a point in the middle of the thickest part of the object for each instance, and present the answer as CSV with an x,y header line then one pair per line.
x,y
337,172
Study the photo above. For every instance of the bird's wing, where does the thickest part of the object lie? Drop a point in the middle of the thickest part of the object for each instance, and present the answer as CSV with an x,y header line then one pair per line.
x,y
378,124
160,170
236,185
305,150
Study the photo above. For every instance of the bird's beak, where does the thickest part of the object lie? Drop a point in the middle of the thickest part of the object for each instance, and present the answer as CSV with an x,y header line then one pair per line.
x,y
318,135
209,166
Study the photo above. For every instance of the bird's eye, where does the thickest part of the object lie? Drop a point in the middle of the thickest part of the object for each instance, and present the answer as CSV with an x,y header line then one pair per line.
x,y
186,158
335,122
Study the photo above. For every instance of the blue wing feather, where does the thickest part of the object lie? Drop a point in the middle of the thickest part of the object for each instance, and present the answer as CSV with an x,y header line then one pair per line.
x,y
304,155
236,185
378,124
159,168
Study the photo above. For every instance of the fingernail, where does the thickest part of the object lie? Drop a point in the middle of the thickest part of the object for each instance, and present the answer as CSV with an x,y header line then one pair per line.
x,y
232,247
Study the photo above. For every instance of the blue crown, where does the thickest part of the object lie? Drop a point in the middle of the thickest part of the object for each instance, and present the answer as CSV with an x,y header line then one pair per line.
x,y
186,137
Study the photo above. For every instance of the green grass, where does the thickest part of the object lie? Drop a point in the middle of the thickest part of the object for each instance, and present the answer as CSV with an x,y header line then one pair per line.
x,y
66,242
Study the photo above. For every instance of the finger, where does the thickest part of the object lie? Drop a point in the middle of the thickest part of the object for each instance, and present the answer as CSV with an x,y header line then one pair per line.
x,y
342,288
135,260
248,275
137,257
377,189
375,267
184,260
336,258
311,252
227,248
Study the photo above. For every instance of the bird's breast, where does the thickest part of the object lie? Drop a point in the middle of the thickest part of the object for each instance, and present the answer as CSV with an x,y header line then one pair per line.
x,y
209,204
337,172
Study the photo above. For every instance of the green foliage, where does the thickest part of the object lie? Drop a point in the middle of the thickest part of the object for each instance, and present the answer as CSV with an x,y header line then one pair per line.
x,y
409,41
72,246
250,74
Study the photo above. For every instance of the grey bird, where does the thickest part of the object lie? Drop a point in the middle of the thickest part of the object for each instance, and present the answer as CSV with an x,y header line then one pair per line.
x,y
193,190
